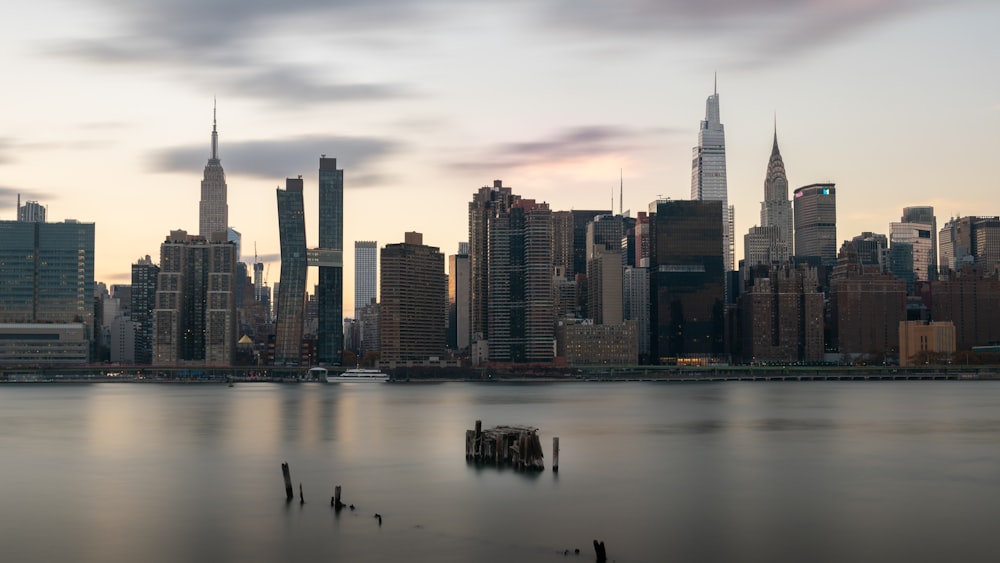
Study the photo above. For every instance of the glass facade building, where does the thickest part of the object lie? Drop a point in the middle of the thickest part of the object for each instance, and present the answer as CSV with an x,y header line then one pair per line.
x,y
292,286
687,281
330,291
708,172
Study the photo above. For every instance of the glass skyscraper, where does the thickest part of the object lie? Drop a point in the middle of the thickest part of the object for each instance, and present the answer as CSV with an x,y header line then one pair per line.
x,y
47,272
330,291
292,287
708,172
688,281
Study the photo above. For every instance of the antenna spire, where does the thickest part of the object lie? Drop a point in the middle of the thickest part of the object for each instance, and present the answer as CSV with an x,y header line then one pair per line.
x,y
715,84
621,188
215,133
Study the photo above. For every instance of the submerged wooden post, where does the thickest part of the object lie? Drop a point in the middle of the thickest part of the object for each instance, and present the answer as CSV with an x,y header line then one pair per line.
x,y
302,498
555,454
289,493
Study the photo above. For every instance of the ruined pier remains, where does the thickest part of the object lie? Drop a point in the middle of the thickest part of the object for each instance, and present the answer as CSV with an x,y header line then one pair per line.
x,y
516,446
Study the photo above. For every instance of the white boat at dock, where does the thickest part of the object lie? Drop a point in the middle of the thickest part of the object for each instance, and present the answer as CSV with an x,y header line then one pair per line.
x,y
363,375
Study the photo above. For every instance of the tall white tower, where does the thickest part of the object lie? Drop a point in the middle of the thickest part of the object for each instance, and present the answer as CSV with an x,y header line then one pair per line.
x,y
708,172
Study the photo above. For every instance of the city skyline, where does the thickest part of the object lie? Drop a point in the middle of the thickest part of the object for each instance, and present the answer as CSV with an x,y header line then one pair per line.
x,y
423,108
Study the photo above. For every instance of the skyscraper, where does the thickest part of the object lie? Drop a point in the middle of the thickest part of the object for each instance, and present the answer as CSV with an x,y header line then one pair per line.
x,y
459,285
687,280
816,222
412,311
776,209
521,313
487,203
144,278
330,291
913,246
708,172
47,272
195,316
213,211
292,288
365,273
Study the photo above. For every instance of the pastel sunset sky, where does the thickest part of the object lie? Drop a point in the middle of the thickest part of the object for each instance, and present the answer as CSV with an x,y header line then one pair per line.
x,y
106,109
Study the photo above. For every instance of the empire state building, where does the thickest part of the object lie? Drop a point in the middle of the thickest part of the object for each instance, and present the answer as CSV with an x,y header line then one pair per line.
x,y
213,211
708,172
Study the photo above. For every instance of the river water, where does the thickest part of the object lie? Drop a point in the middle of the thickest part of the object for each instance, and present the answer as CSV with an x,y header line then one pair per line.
x,y
738,471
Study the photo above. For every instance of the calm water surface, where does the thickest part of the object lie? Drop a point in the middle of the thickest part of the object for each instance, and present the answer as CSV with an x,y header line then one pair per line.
x,y
818,471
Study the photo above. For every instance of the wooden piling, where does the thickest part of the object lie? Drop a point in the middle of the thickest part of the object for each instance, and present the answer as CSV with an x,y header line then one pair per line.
x,y
336,498
289,492
478,444
602,555
302,498
555,454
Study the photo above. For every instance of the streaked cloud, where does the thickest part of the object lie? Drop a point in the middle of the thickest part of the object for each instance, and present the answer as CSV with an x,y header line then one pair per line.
x,y
10,193
286,157
231,38
568,146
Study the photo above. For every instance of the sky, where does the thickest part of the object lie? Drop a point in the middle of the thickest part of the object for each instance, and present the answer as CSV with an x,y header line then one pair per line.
x,y
107,108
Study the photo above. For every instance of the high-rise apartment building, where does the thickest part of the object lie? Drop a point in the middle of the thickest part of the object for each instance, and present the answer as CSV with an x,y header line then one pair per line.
x,y
782,316
687,280
971,300
815,218
330,291
487,204
708,172
144,279
291,299
195,316
776,209
213,210
867,306
365,273
412,308
521,314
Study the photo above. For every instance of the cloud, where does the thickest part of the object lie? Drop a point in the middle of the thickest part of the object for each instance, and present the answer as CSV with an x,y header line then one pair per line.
x,y
237,44
7,192
286,158
564,147
767,31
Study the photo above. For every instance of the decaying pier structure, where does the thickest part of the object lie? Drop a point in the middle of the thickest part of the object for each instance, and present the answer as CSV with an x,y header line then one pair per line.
x,y
516,446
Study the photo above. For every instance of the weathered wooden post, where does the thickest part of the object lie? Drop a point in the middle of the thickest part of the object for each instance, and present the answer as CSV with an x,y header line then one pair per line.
x,y
289,493
555,454
478,448
335,501
602,555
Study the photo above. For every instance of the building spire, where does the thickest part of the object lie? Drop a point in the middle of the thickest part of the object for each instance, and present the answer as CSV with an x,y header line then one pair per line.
x,y
774,148
215,133
715,84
